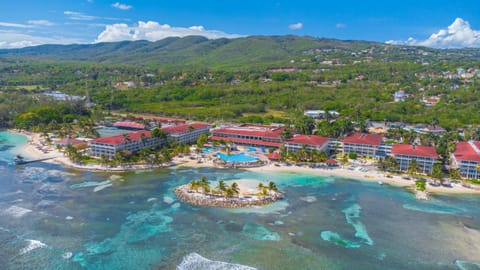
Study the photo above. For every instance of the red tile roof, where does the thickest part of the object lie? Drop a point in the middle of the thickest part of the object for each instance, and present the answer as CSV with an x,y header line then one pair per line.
x,y
251,130
434,128
363,138
418,151
184,128
308,140
465,151
169,120
119,139
331,161
245,141
127,124
274,155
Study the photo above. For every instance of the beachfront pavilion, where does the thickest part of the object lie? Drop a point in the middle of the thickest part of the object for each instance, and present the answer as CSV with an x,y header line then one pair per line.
x,y
467,158
425,156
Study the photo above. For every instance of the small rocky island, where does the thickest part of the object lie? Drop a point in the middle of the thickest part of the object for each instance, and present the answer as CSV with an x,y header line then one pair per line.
x,y
241,193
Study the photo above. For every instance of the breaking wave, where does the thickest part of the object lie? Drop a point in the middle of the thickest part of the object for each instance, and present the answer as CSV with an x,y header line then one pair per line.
x,y
194,261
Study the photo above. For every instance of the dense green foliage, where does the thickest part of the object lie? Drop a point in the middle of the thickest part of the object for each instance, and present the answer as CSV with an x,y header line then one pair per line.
x,y
253,79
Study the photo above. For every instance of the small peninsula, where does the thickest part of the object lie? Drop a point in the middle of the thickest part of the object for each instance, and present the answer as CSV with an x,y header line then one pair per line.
x,y
240,193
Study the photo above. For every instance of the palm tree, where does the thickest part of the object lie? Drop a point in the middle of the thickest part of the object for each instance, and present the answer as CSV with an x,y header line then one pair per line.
x,y
104,160
205,184
437,173
413,167
126,138
235,188
221,186
143,138
260,186
272,186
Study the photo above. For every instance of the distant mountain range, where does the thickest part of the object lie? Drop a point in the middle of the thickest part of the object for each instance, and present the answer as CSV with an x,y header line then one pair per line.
x,y
196,51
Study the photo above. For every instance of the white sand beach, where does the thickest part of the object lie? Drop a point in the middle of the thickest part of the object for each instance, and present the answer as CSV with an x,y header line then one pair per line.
x,y
34,149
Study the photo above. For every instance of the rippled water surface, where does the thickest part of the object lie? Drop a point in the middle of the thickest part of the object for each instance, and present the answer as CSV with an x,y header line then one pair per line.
x,y
57,218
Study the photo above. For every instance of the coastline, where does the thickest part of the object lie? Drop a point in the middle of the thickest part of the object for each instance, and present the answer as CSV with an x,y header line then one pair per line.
x,y
33,150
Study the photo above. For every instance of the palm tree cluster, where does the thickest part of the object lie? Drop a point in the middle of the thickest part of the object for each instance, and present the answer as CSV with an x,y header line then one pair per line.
x,y
265,189
307,155
222,188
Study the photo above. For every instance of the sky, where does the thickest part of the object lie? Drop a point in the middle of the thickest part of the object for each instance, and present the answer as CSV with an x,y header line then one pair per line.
x,y
439,24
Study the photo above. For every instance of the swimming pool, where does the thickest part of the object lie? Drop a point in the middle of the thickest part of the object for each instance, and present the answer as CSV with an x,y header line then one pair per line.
x,y
251,149
241,157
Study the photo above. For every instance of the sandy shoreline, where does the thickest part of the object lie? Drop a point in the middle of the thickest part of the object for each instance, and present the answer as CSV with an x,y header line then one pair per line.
x,y
32,150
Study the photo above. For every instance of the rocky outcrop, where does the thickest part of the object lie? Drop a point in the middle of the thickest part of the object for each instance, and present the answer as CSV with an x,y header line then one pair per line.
x,y
185,194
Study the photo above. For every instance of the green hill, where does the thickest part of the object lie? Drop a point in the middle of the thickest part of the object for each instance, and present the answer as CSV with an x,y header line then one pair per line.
x,y
254,51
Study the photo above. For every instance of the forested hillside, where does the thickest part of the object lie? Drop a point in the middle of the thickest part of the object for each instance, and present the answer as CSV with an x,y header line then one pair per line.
x,y
256,79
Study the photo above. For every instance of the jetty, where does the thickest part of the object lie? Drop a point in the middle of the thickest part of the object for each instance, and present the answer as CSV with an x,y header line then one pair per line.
x,y
19,160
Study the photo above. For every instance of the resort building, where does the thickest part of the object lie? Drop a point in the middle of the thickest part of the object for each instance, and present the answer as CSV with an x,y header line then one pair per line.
x,y
467,158
132,142
129,125
247,134
187,133
312,142
425,156
364,145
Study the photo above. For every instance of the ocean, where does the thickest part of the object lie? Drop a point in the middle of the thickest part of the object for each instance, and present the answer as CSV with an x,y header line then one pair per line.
x,y
53,217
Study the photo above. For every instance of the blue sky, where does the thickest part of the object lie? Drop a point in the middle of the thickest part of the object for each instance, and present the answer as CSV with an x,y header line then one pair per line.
x,y
33,22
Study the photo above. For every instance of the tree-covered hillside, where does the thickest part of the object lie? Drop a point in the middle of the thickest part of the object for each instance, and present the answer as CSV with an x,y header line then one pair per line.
x,y
259,79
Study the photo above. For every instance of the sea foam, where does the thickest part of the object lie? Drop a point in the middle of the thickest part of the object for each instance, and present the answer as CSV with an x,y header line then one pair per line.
x,y
32,244
16,211
194,261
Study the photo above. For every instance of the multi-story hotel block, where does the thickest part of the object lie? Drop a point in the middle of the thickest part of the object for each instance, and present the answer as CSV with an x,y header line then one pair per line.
x,y
247,134
425,156
467,158
133,142
312,142
186,133
364,145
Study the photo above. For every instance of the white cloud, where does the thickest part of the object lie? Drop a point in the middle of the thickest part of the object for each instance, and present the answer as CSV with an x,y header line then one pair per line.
x,y
458,35
340,25
153,31
15,25
41,22
296,26
13,39
73,15
122,6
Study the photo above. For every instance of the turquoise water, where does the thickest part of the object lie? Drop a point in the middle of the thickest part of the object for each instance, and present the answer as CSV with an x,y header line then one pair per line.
x,y
56,218
240,157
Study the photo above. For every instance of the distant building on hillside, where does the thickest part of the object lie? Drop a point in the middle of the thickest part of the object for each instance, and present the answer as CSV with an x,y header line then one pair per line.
x,y
399,96
315,113
57,95
467,158
425,156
